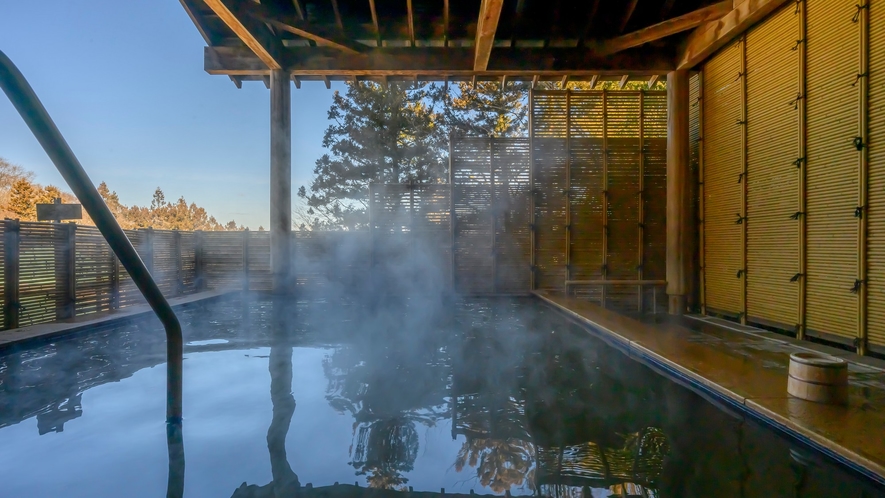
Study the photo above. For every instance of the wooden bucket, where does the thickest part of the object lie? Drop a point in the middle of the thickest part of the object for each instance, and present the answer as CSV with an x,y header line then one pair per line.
x,y
818,378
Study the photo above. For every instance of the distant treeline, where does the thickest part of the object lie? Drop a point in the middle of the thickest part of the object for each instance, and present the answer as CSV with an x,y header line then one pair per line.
x,y
19,196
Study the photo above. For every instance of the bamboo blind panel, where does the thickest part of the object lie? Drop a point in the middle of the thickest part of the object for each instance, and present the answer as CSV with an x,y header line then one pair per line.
x,y
223,259
95,264
600,190
3,323
832,174
166,258
695,139
722,168
260,277
654,191
129,294
42,272
772,175
471,163
189,263
876,212
411,231
512,217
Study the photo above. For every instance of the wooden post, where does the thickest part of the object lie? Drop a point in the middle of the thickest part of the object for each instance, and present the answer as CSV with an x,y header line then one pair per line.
x,y
678,201
246,260
11,304
70,271
863,177
199,274
280,180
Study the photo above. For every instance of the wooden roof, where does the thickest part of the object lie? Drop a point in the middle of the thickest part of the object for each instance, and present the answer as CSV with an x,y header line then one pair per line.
x,y
465,39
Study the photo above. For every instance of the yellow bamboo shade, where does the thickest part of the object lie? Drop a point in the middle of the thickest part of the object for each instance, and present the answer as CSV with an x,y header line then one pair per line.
x,y
722,192
772,175
876,211
833,53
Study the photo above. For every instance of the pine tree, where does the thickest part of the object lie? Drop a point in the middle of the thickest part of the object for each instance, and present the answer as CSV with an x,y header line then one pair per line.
x,y
485,109
390,135
21,200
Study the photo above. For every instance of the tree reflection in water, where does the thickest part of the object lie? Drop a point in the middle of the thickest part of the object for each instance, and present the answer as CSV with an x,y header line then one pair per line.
x,y
501,464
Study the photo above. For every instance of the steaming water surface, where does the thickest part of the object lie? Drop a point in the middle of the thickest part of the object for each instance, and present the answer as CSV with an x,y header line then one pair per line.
x,y
487,395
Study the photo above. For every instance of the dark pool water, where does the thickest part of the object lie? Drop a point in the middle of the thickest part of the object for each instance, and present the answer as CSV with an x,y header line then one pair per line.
x,y
489,395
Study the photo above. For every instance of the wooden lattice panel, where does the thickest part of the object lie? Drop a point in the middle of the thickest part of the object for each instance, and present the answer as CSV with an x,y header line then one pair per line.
x,y
95,264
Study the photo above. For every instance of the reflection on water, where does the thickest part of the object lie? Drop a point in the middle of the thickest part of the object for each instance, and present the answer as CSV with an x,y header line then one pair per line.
x,y
494,396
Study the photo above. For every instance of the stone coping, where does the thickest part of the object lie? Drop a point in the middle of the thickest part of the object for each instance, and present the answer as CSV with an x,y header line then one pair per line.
x,y
747,369
44,331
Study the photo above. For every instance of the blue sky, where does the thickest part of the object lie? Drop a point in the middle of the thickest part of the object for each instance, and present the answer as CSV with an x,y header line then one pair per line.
x,y
124,82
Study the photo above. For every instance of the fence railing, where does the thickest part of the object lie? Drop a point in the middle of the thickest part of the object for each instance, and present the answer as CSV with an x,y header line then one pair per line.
x,y
58,271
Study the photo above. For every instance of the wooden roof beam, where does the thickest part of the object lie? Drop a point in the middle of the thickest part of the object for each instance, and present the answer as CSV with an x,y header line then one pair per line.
x,y
322,36
631,8
255,35
564,82
375,22
411,19
713,35
623,82
327,82
337,12
298,10
456,62
489,14
652,81
534,81
593,81
446,23
591,18
669,27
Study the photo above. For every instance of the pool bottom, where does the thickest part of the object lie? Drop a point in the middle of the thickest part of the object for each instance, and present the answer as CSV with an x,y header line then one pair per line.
x,y
493,396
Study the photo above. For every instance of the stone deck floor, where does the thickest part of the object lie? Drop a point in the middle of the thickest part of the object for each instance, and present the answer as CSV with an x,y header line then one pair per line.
x,y
747,368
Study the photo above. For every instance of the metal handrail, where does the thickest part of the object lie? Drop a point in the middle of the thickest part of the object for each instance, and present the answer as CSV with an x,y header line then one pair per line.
x,y
38,120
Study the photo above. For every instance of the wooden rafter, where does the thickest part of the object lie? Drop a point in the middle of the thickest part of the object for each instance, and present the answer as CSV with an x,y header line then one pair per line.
x,y
298,10
457,62
652,81
446,23
713,35
591,18
191,9
669,27
503,82
631,8
411,16
328,82
255,35
338,21
486,27
534,81
319,34
564,82
593,81
375,22
517,21
297,82
623,82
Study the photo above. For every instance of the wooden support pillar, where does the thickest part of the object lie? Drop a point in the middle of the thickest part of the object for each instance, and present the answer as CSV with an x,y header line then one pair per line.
x,y
280,180
678,201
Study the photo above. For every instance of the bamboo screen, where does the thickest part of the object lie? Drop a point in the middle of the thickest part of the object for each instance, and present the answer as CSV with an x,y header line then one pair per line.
x,y
491,206
808,105
599,165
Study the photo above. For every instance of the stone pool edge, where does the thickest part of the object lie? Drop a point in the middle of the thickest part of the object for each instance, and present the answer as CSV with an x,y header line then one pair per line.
x,y
720,394
34,334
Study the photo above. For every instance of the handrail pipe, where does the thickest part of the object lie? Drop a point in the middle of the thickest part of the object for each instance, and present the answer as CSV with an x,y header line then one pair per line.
x,y
32,111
